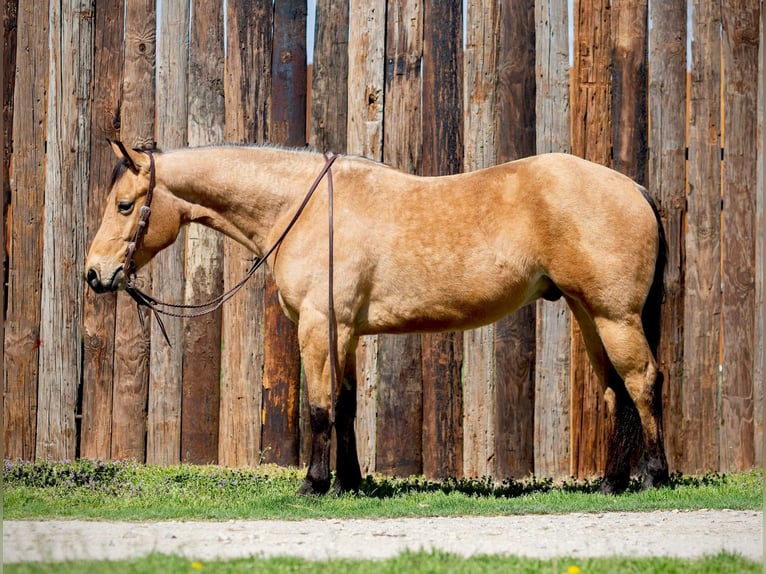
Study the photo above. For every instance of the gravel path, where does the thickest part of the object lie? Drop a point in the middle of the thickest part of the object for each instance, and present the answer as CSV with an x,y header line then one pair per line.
x,y
677,533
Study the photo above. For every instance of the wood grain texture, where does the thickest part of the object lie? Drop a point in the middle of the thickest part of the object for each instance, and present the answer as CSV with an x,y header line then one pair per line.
x,y
702,297
366,67
515,335
667,184
759,313
99,310
10,16
552,361
132,342
481,131
442,353
66,190
281,380
163,436
740,21
329,80
400,387
629,88
24,240
591,139
248,95
204,246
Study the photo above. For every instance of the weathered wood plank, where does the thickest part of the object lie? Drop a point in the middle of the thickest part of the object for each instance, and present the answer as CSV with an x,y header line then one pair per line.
x,y
629,88
327,130
400,391
329,99
66,190
247,92
740,20
479,385
702,297
10,13
99,310
759,314
132,342
442,354
163,436
552,360
366,66
515,335
25,242
667,184
281,380
591,139
204,247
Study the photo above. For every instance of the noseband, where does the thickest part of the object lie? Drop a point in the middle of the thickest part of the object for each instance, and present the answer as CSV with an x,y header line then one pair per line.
x,y
129,266
159,308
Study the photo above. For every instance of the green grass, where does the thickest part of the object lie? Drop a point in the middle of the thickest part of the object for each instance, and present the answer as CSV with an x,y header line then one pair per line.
x,y
411,563
128,491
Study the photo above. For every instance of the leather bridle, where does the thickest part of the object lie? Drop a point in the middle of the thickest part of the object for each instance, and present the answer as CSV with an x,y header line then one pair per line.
x,y
189,310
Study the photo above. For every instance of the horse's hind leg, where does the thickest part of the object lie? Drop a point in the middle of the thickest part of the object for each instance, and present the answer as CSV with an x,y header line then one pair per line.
x,y
629,352
348,474
624,424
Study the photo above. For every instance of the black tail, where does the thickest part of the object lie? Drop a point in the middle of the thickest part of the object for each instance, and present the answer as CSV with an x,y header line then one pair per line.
x,y
651,315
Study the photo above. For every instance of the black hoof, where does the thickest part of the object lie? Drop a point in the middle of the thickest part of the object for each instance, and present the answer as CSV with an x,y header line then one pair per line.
x,y
614,484
654,478
342,487
316,488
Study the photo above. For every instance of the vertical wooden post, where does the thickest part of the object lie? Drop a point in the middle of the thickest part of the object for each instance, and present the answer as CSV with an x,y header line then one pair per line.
x,y
552,360
247,92
66,190
163,437
329,115
204,247
281,382
366,65
760,438
25,242
10,12
591,139
667,184
629,88
400,391
480,110
702,298
514,337
329,101
99,310
442,354
132,343
740,64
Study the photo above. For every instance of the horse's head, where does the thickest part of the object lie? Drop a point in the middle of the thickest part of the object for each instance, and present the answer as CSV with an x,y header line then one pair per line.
x,y
104,265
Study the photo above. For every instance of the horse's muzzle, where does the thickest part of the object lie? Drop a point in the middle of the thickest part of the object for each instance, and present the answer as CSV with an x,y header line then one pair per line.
x,y
93,278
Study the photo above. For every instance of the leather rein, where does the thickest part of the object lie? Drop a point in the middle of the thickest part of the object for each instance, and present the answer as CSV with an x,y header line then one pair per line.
x,y
189,310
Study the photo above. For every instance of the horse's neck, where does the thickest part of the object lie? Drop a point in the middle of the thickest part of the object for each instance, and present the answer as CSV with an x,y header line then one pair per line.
x,y
241,191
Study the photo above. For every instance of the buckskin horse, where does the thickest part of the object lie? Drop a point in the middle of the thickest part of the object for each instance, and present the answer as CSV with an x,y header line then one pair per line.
x,y
415,254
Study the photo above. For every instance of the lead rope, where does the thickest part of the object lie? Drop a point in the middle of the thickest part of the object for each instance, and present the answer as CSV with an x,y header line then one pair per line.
x,y
159,308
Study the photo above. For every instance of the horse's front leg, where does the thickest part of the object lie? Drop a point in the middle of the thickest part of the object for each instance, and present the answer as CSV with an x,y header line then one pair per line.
x,y
313,335
348,473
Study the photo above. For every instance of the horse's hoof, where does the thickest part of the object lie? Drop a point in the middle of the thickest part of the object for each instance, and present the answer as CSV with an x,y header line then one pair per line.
x,y
655,478
343,487
309,488
613,485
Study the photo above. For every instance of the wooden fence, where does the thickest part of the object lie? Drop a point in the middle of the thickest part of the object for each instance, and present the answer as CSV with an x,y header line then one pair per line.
x,y
428,88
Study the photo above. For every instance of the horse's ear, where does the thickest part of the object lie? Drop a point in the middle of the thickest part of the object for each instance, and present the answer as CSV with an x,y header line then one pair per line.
x,y
134,158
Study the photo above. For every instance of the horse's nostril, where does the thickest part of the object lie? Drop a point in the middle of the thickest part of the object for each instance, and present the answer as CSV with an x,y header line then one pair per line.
x,y
92,277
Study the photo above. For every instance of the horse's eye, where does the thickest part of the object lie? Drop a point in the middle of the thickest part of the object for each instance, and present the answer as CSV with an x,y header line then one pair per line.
x,y
125,207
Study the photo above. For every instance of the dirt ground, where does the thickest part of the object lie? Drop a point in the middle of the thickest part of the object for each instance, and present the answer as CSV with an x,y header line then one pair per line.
x,y
675,533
